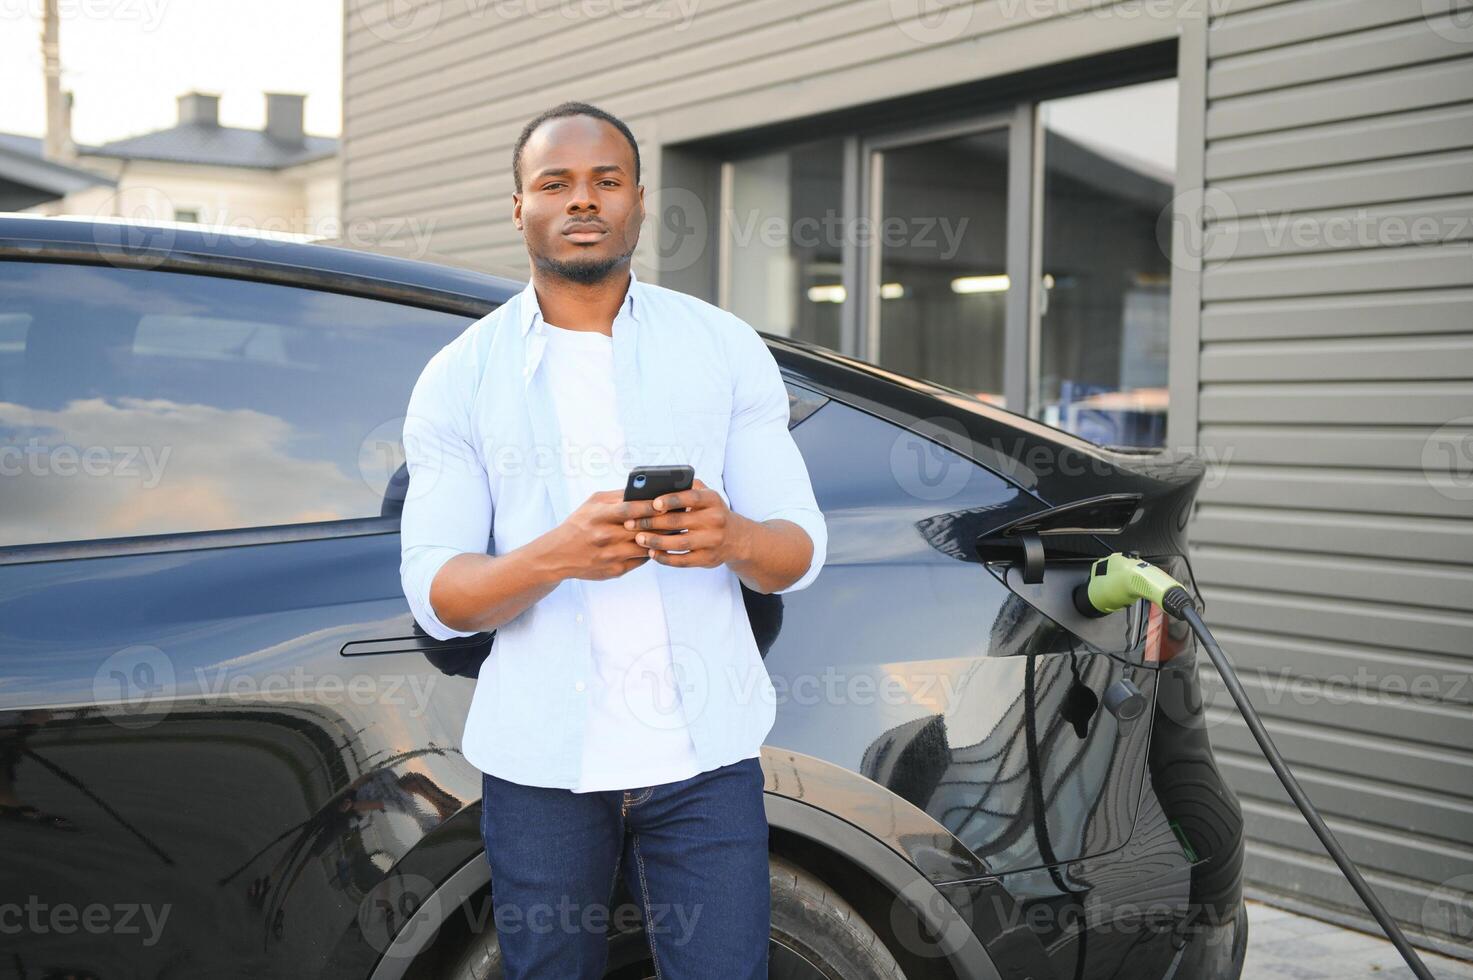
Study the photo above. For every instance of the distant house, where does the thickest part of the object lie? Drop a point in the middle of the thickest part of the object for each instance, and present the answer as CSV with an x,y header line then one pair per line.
x,y
279,178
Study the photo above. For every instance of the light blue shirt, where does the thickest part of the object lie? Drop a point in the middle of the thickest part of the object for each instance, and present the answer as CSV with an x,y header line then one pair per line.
x,y
694,384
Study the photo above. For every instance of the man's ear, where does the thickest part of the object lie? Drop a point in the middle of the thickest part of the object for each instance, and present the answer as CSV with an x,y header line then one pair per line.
x,y
516,210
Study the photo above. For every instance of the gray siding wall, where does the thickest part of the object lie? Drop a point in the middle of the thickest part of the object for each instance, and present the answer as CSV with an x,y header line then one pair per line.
x,y
431,107
1335,548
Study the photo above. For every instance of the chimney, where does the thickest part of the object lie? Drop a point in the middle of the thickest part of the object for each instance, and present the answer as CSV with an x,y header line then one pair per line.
x,y
58,143
197,107
284,118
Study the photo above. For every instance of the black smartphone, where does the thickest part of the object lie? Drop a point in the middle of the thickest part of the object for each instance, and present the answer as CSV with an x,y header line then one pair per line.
x,y
649,482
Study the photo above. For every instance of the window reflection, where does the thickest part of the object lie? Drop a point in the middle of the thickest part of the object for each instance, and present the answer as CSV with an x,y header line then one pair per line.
x,y
1109,170
138,402
943,260
784,242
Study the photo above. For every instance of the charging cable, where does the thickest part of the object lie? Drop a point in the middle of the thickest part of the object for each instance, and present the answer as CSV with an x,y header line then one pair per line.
x,y
1118,580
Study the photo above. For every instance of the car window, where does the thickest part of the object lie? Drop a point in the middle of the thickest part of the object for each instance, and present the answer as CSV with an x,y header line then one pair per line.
x,y
802,402
137,402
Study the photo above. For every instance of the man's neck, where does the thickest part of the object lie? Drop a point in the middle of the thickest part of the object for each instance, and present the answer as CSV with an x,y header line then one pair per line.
x,y
575,306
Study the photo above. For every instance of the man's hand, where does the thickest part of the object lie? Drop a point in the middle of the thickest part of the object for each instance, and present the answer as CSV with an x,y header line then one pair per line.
x,y
594,543
711,534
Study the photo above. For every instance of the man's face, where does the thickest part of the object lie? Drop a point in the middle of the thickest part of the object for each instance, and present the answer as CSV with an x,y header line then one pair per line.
x,y
580,209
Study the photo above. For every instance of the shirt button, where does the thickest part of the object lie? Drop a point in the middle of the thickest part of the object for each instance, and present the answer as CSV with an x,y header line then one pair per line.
x,y
578,686
580,617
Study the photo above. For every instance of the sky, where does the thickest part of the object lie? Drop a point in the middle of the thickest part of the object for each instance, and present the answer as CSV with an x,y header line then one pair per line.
x,y
126,60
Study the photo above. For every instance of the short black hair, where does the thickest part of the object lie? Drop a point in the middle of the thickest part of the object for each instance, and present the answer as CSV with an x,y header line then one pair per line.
x,y
561,111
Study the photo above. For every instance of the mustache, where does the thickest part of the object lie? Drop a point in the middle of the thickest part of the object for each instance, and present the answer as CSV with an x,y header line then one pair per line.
x,y
584,224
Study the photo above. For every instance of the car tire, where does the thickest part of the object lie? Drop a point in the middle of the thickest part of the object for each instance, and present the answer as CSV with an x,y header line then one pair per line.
x,y
809,920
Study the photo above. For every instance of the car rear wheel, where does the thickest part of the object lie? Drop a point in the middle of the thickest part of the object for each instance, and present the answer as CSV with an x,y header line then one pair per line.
x,y
816,935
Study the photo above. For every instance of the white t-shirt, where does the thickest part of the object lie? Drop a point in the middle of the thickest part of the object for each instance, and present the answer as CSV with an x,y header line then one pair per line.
x,y
636,734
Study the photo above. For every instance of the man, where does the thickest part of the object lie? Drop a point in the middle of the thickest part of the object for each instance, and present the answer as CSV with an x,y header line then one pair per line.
x,y
619,716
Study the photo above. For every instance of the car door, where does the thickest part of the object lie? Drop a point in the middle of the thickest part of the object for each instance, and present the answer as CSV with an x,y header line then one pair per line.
x,y
909,663
194,780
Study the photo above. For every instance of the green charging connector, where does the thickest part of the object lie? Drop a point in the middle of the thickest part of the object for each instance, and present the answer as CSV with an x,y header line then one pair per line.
x,y
1118,579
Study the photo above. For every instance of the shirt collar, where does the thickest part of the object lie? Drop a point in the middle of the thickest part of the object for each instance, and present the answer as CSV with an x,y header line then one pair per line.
x,y
531,310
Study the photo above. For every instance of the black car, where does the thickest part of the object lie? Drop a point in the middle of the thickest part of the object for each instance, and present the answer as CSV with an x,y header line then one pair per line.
x,y
227,750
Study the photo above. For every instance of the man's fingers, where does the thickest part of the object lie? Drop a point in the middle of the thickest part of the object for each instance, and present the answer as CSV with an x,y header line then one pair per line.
x,y
680,520
694,498
689,541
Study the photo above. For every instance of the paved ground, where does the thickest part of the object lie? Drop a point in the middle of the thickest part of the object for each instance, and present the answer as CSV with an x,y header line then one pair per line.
x,y
1283,944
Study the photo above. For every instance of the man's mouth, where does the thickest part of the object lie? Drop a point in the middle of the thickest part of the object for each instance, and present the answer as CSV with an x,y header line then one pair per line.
x,y
585,232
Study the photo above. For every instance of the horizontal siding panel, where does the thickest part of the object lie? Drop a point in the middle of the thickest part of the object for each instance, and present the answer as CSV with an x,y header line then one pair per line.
x,y
1368,492
1377,226
1279,823
1424,812
1422,311
395,94
1347,446
1399,90
1418,629
1390,403
1412,583
480,196
1401,179
381,33
1393,762
1331,533
1424,131
1415,358
1306,20
1423,267
1345,668
1314,878
1409,43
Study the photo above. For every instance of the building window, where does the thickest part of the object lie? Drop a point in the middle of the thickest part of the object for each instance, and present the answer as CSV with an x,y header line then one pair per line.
x,y
941,246
1021,256
186,214
1109,168
783,242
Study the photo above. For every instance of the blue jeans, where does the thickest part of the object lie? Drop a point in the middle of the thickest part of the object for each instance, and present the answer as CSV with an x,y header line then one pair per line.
x,y
694,855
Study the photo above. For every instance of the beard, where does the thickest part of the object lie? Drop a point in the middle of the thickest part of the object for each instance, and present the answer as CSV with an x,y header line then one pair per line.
x,y
584,272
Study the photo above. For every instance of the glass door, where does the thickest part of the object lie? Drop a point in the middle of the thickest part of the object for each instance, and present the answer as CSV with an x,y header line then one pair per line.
x,y
934,247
